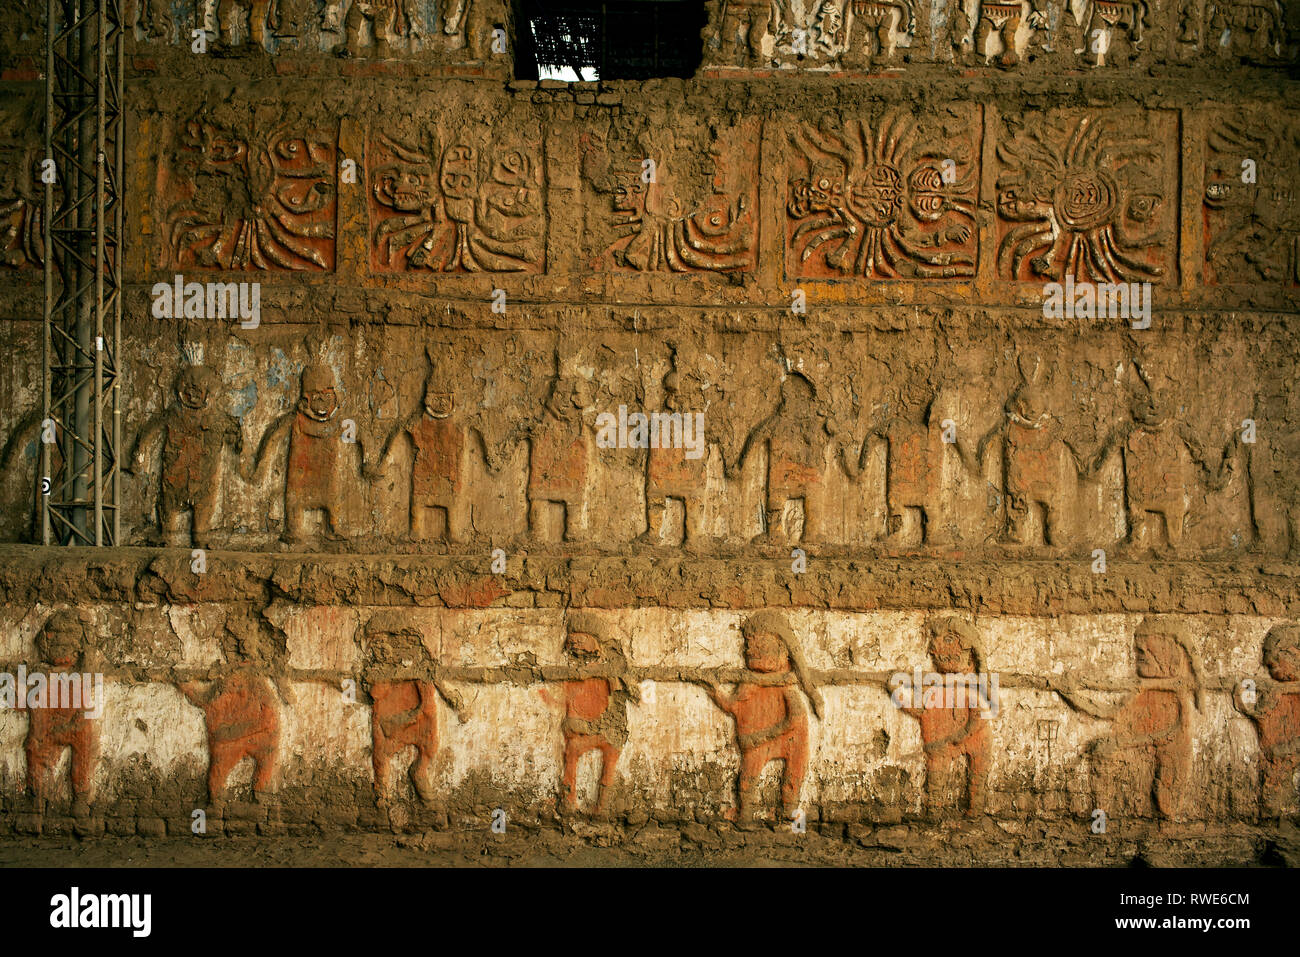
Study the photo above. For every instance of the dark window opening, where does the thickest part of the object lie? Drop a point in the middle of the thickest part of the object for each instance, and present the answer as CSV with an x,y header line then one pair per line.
x,y
615,40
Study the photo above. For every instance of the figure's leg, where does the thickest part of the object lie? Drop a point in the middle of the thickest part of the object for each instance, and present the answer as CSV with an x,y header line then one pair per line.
x,y
983,30
85,755
422,768
421,524
263,752
574,749
1170,778
295,520
353,25
758,18
1008,33
609,755
227,19
40,765
1175,520
205,507
257,23
456,522
380,755
224,757
936,765
173,526
752,762
977,775
792,775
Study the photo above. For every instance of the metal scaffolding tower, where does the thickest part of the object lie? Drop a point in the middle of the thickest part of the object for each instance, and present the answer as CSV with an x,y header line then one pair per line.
x,y
82,429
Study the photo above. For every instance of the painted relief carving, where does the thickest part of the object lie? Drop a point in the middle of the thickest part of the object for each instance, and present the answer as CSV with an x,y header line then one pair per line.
x,y
442,441
796,438
1272,703
1162,459
1040,466
998,34
560,447
1149,747
22,194
62,644
241,706
882,198
1252,217
956,736
454,207
319,469
246,199
757,35
1082,199
596,694
191,433
404,688
770,716
673,208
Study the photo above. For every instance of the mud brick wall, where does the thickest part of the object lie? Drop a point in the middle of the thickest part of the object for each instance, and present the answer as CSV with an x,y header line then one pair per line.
x,y
380,567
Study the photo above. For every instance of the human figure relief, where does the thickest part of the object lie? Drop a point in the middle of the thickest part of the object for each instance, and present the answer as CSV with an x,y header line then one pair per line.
x,y
404,686
677,472
62,643
914,470
746,31
559,459
1274,707
955,737
193,434
596,693
877,21
1039,466
796,436
1110,23
240,708
1002,17
441,439
1158,453
385,21
234,17
317,465
1150,723
770,715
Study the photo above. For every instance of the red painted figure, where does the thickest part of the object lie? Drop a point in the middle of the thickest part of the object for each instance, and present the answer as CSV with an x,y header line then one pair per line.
x,y
954,738
440,441
595,704
193,435
673,474
558,461
51,731
771,718
241,712
796,436
404,690
315,472
1276,713
1151,724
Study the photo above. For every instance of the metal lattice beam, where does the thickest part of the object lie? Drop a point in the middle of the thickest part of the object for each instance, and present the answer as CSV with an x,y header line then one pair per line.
x,y
82,430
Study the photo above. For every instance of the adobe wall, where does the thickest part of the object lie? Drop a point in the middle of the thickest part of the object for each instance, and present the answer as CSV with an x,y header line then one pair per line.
x,y
399,479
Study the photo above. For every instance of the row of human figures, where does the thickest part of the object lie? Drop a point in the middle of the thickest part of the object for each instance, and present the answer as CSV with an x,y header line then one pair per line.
x,y
1161,462
769,701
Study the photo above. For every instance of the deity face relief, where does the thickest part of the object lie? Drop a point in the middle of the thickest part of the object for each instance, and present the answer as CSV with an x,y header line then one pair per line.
x,y
403,187
1283,658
